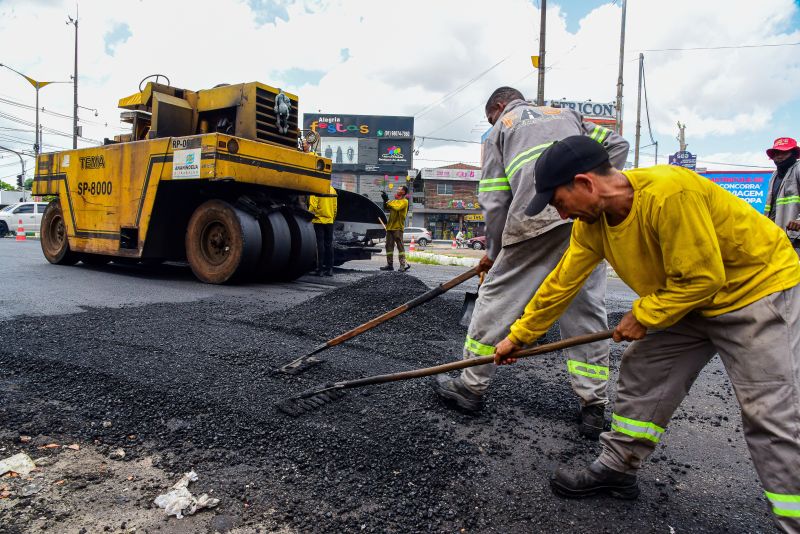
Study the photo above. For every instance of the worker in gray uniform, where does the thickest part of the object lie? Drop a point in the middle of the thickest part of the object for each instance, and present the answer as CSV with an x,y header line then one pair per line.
x,y
783,192
521,252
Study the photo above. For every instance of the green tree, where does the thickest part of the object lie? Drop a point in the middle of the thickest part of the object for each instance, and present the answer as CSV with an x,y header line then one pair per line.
x,y
6,187
28,185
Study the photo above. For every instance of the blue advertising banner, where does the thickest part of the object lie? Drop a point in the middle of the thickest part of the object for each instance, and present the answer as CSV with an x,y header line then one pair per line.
x,y
750,186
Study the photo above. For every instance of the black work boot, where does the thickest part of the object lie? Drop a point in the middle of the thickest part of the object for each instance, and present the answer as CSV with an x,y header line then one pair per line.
x,y
405,267
456,394
595,480
593,421
387,268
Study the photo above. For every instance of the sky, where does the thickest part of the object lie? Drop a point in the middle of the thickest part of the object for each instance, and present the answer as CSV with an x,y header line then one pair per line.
x,y
733,80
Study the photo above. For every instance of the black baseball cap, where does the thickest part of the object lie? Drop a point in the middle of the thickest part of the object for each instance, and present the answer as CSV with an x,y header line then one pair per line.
x,y
559,164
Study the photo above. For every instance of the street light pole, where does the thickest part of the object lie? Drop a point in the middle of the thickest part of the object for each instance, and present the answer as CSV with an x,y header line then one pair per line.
x,y
22,164
74,22
36,85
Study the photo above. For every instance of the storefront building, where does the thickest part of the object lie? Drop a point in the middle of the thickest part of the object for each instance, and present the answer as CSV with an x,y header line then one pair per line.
x,y
370,153
449,201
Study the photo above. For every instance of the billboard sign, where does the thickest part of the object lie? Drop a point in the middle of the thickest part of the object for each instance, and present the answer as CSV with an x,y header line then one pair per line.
x,y
340,150
684,158
378,126
750,186
394,152
599,110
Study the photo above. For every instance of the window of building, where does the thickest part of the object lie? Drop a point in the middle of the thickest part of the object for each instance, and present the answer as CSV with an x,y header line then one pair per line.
x,y
444,189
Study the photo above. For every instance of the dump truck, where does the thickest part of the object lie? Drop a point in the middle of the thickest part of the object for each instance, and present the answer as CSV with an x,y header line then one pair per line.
x,y
215,177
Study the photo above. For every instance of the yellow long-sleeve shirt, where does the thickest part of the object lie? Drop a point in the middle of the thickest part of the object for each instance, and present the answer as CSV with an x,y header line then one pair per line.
x,y
687,244
323,207
397,214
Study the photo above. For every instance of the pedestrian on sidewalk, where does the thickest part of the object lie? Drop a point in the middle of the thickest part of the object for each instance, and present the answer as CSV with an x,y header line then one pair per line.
x,y
713,276
783,193
521,251
398,209
324,208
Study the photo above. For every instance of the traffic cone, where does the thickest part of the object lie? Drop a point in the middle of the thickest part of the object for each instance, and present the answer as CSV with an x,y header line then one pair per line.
x,y
412,247
455,245
20,232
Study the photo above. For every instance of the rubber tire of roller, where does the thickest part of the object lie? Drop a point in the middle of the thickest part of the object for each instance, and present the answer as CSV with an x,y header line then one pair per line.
x,y
303,256
237,243
53,232
276,247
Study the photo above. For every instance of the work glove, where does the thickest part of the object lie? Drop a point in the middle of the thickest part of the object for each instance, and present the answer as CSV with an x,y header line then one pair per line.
x,y
384,196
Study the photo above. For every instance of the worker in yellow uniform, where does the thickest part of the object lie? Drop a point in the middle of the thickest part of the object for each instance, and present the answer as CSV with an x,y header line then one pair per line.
x,y
398,209
713,276
324,209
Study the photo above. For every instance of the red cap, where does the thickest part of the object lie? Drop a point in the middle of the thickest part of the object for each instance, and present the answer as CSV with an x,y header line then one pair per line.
x,y
783,144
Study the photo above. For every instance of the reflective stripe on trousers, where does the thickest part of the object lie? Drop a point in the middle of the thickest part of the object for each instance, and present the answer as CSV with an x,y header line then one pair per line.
x,y
580,368
636,429
477,348
784,504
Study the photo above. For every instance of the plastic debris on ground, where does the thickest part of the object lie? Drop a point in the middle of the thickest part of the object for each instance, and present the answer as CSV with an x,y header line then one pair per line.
x,y
19,463
179,501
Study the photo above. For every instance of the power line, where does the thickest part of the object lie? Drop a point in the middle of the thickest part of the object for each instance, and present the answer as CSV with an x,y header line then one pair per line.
x,y
718,47
48,112
446,139
430,107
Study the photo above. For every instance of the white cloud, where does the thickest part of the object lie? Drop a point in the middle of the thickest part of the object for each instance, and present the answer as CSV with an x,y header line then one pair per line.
x,y
402,57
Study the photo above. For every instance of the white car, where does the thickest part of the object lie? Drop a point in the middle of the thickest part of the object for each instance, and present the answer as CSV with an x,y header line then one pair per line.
x,y
30,213
422,236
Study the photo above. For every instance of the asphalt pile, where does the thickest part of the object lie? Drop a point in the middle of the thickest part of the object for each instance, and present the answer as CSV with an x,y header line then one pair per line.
x,y
193,386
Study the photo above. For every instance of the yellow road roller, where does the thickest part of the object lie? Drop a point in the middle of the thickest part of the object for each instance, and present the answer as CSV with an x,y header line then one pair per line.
x,y
213,177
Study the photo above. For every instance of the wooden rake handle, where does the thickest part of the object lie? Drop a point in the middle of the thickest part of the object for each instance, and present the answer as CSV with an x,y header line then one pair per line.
x,y
462,364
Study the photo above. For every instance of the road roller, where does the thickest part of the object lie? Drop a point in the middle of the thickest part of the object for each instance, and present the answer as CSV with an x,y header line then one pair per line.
x,y
217,178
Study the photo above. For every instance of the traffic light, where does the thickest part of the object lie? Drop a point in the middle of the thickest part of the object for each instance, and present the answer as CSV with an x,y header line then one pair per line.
x,y
20,177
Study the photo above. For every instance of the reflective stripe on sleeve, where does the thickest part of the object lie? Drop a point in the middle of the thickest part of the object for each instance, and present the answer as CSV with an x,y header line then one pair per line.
x,y
495,188
524,157
784,504
636,429
787,200
494,184
767,208
478,348
599,134
584,369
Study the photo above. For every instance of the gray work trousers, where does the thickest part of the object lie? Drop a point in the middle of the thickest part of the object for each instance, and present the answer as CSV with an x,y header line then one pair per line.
x,y
517,273
760,348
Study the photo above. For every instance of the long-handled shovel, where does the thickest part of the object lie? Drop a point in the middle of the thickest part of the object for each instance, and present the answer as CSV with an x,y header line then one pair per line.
x,y
312,399
469,304
306,361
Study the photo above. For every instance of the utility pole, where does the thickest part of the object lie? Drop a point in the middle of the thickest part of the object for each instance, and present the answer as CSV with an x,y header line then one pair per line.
x,y
618,126
682,136
74,22
542,27
638,113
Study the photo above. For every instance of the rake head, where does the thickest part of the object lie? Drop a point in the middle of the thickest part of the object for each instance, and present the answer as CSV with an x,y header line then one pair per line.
x,y
300,365
310,400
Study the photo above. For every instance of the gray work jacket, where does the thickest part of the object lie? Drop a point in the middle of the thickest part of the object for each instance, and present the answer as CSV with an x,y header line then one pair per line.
x,y
510,152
